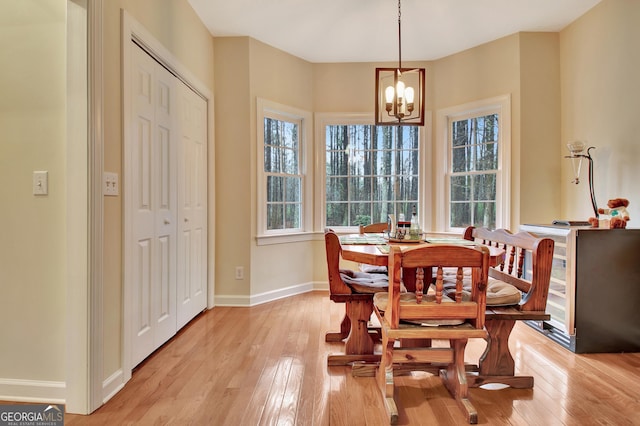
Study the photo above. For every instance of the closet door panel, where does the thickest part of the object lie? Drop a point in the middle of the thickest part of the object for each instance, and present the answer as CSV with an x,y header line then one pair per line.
x,y
192,194
165,205
142,178
152,182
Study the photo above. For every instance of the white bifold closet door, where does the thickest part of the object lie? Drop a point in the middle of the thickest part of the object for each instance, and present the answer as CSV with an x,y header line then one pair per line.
x,y
168,182
192,205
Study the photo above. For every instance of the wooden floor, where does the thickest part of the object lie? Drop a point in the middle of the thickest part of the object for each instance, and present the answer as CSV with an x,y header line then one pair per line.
x,y
266,365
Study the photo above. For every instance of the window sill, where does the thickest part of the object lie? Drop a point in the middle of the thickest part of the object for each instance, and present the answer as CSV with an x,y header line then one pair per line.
x,y
265,240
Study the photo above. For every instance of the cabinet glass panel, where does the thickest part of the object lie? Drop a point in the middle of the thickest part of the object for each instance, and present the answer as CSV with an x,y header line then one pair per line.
x,y
558,303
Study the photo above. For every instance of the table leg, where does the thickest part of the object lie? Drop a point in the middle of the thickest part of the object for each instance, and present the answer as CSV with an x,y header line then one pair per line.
x,y
496,359
497,364
345,328
359,341
409,279
360,344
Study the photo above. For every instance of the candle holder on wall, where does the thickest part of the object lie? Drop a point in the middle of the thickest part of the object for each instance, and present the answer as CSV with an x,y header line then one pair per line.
x,y
577,154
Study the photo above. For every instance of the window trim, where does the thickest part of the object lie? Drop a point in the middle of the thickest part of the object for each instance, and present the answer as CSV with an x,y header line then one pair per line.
x,y
500,105
266,108
322,120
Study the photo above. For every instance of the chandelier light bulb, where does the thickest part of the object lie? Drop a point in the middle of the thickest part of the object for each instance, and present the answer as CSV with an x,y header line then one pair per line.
x,y
408,94
389,93
400,89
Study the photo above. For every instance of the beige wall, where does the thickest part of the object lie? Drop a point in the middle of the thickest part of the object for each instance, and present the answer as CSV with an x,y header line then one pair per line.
x,y
350,87
599,62
537,161
233,165
526,67
246,70
483,72
32,137
278,77
480,73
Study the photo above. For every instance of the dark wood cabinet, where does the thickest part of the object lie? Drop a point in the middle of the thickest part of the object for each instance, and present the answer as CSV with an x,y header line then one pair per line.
x,y
594,295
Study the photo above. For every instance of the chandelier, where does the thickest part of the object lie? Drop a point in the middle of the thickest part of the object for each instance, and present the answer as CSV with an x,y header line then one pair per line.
x,y
400,91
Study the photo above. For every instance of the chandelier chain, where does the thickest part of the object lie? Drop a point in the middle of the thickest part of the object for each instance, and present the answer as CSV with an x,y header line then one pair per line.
x,y
399,35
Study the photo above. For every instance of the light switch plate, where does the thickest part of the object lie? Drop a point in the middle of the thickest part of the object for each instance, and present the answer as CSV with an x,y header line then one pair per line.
x,y
110,186
40,183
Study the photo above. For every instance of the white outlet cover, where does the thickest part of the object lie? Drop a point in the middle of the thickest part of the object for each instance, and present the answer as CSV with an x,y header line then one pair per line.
x,y
239,273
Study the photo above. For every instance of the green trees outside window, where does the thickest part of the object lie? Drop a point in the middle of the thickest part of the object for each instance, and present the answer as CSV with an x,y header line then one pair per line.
x,y
371,172
282,170
473,171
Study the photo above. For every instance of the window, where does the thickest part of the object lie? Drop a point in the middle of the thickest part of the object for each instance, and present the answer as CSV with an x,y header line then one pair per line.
x,y
283,188
476,172
473,170
282,170
370,171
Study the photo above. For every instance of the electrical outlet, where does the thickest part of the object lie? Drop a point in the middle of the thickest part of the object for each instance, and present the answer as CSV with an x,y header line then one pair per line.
x,y
110,184
239,273
40,183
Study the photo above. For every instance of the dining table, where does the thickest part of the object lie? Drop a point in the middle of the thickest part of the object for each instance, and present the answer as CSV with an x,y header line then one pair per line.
x,y
373,249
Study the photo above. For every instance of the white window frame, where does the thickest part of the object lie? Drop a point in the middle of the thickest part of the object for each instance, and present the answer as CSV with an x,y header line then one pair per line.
x,y
269,109
500,105
323,120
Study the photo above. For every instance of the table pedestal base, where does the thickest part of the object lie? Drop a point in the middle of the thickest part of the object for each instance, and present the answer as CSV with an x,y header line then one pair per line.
x,y
355,327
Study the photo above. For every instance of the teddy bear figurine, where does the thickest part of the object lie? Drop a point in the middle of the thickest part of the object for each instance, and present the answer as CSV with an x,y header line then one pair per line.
x,y
617,209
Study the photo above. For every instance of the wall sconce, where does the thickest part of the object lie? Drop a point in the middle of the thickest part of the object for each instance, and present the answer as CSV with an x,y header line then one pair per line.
x,y
576,150
400,91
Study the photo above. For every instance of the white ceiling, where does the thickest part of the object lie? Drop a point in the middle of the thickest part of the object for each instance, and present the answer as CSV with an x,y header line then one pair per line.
x,y
367,30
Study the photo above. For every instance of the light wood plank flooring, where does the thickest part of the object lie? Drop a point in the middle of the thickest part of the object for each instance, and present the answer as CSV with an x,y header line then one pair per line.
x,y
266,365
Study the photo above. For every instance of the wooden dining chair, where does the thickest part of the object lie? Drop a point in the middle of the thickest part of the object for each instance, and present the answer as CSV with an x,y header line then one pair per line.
x,y
428,314
374,228
355,289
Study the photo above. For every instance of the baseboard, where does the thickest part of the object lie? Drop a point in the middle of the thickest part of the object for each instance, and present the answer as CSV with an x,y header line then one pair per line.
x,y
36,391
270,296
321,286
112,385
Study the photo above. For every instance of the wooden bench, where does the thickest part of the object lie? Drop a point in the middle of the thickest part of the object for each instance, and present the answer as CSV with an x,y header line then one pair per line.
x,y
358,300
527,266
